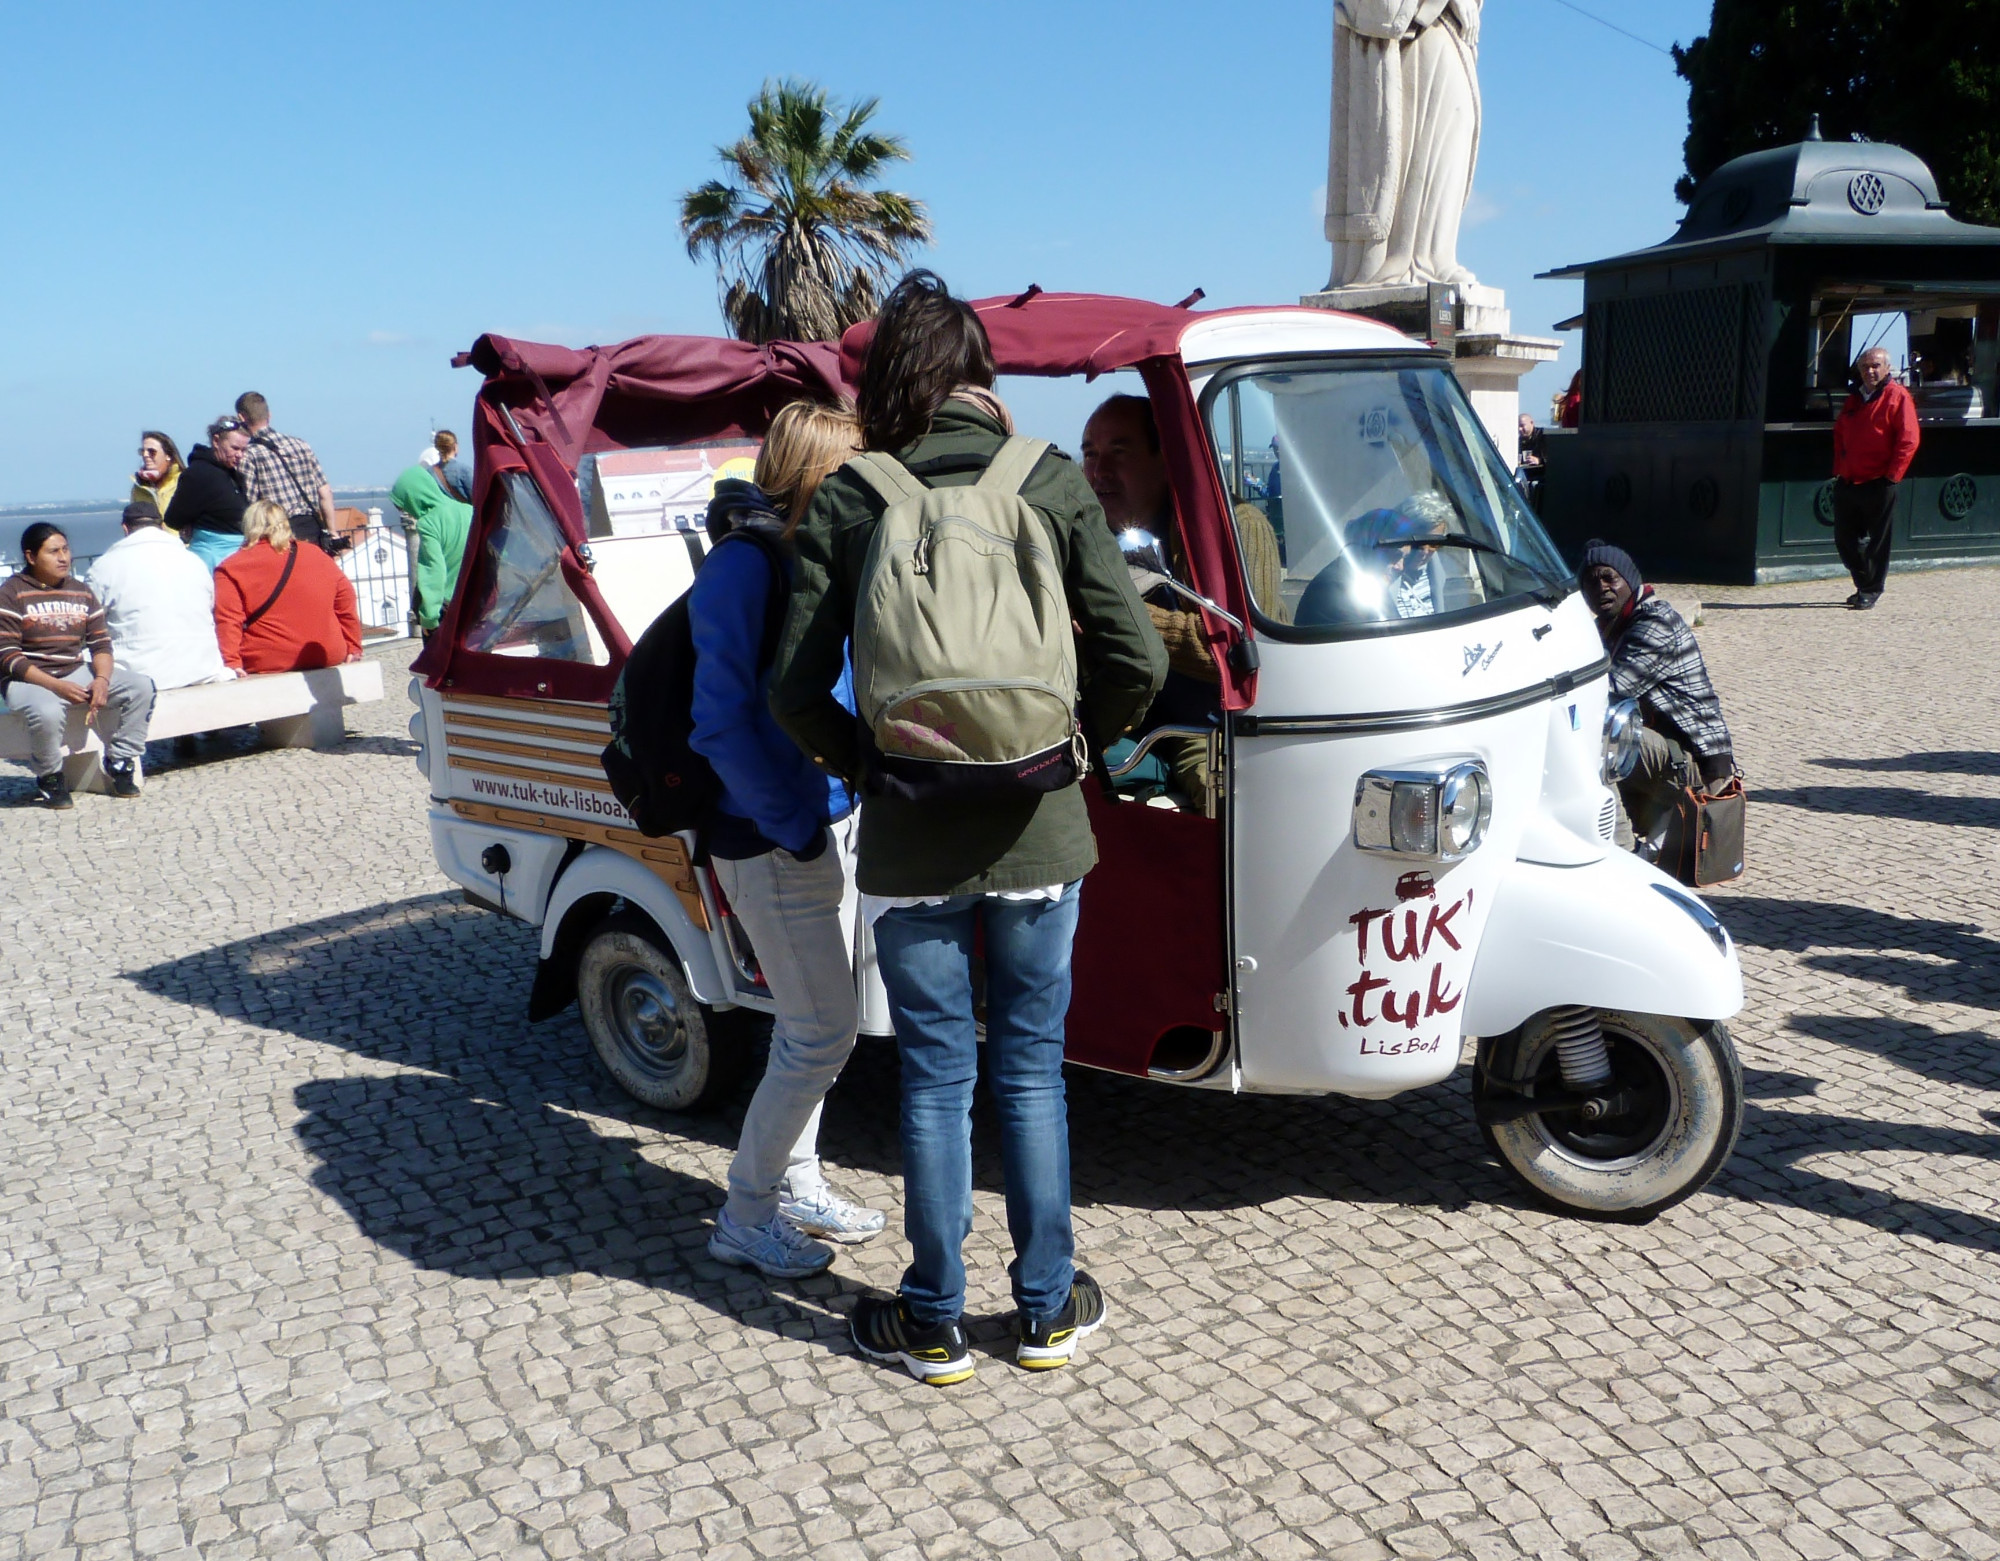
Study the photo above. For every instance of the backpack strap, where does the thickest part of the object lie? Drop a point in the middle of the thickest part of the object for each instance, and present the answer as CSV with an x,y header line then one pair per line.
x,y
1017,459
888,476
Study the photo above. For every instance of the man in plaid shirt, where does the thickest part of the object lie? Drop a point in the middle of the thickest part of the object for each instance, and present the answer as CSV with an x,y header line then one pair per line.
x,y
1654,661
283,469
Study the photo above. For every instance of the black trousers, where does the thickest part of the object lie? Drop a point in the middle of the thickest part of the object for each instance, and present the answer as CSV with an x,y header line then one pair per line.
x,y
1864,514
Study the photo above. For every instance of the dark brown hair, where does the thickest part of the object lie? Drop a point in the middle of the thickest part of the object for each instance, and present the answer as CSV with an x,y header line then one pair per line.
x,y
173,450
926,344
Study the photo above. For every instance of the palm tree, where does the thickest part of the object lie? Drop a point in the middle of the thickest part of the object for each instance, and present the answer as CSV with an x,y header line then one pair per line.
x,y
803,248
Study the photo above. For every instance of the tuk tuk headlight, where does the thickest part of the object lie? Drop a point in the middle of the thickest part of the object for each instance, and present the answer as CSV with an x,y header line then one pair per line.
x,y
1621,740
1439,814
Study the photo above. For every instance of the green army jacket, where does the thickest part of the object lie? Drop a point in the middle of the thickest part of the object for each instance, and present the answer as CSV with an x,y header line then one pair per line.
x,y
961,847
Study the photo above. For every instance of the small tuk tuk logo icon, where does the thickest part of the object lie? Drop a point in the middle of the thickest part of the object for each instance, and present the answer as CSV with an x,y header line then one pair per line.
x,y
1479,656
1375,425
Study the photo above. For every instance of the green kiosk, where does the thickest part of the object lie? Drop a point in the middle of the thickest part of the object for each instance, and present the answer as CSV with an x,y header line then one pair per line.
x,y
1713,365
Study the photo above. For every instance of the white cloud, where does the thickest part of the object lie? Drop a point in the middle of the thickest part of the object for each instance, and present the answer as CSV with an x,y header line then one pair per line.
x,y
1480,208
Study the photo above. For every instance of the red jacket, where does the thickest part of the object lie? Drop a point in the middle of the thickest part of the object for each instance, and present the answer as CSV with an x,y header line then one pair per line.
x,y
1876,438
313,623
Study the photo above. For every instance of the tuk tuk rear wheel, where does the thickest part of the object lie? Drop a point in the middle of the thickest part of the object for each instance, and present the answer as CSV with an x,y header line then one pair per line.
x,y
661,1046
1683,1091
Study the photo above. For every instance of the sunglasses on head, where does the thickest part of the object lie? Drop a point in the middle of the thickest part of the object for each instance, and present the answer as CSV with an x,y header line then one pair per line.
x,y
230,424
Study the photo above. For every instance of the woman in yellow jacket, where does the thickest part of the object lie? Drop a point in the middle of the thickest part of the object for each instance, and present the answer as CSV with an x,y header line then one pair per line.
x,y
159,471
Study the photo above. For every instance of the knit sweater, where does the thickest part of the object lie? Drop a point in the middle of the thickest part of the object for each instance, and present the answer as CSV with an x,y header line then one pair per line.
x,y
52,627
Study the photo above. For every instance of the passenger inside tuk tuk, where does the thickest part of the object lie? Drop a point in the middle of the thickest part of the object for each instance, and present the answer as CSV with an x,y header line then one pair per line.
x,y
1125,468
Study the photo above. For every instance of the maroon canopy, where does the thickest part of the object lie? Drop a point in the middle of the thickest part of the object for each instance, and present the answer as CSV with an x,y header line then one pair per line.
x,y
1062,333
543,408
653,389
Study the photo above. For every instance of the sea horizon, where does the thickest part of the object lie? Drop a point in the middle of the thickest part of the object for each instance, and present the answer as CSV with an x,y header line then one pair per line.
x,y
92,525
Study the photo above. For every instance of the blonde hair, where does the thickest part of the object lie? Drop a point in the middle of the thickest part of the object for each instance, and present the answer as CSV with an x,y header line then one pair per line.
x,y
446,443
267,522
807,440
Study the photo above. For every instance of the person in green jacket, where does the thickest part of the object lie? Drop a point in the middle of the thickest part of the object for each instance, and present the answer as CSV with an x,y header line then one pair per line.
x,y
935,874
442,523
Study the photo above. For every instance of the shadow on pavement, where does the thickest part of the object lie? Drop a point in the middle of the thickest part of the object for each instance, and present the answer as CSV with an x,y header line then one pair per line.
x,y
1773,606
499,1154
1933,961
1764,1170
1951,762
1969,1057
1899,802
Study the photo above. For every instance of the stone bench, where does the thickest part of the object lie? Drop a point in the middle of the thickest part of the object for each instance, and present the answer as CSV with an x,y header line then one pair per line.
x,y
291,709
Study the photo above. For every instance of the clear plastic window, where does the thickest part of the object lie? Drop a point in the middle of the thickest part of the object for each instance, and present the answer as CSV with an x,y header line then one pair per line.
x,y
1383,496
525,607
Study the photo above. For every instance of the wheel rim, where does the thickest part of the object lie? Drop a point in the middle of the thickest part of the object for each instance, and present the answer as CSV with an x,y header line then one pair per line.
x,y
1619,1142
647,1024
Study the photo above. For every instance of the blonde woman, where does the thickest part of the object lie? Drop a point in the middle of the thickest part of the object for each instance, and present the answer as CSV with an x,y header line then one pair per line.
x,y
780,842
280,607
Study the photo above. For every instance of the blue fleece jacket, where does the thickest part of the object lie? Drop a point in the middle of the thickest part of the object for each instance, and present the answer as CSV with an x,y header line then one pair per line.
x,y
767,781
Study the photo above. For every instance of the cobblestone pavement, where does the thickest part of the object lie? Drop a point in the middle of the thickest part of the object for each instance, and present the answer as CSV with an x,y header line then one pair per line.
x,y
313,1246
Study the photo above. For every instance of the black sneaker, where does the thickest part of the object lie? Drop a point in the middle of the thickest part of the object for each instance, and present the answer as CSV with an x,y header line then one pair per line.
x,y
1051,1345
124,781
51,791
1863,600
1854,600
885,1331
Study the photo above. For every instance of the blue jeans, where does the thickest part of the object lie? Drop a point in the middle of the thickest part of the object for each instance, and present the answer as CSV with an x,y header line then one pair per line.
x,y
925,955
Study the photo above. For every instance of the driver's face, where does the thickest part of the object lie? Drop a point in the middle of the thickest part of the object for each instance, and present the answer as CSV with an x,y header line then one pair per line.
x,y
1128,476
1606,591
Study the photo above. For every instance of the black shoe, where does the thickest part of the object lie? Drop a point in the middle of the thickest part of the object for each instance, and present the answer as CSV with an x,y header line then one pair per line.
x,y
1854,599
885,1331
51,792
1046,1347
1861,601
124,782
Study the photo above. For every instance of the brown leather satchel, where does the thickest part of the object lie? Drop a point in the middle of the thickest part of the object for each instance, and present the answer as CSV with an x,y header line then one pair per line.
x,y
1704,843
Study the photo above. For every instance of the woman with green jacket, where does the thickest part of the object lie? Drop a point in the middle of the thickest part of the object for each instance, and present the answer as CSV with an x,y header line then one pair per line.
x,y
442,524
938,874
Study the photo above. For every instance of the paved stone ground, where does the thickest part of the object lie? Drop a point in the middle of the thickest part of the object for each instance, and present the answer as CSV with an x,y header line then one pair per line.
x,y
313,1246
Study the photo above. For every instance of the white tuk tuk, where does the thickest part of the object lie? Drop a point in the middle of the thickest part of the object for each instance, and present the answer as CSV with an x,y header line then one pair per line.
x,y
1408,837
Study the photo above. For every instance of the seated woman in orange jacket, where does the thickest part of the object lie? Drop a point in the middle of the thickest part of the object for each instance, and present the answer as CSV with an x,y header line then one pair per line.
x,y
280,607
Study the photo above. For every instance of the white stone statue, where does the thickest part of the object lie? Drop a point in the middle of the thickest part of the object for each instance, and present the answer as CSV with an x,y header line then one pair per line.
x,y
1405,138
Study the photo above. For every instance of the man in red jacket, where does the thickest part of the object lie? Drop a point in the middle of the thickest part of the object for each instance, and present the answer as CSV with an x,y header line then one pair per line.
x,y
1874,441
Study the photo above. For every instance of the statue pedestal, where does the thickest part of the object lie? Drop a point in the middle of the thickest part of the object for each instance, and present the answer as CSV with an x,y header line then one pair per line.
x,y
1488,358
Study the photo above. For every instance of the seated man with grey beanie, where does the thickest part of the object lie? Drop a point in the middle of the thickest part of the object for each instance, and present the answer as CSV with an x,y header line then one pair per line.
x,y
1656,663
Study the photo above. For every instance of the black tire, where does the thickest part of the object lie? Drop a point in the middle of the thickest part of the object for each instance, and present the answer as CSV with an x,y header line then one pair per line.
x,y
1628,1168
662,1047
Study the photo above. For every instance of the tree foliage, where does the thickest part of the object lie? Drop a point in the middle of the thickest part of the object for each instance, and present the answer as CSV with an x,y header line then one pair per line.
x,y
1922,74
803,246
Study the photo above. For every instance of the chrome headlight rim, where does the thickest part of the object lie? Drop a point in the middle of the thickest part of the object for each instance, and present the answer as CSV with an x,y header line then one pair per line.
x,y
1392,805
1621,740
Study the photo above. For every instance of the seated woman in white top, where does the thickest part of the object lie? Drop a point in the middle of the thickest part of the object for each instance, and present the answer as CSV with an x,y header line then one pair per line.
x,y
159,604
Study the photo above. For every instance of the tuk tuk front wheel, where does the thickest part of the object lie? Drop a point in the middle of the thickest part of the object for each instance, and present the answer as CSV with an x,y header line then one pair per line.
x,y
1677,1089
662,1047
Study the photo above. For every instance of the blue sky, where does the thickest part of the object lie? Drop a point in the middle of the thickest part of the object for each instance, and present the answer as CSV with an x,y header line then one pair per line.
x,y
325,202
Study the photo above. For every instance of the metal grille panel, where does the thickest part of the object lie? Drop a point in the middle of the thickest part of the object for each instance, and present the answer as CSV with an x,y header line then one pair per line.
x,y
1690,357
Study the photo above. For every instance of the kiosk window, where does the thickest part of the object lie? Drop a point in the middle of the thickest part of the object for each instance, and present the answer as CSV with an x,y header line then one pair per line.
x,y
525,607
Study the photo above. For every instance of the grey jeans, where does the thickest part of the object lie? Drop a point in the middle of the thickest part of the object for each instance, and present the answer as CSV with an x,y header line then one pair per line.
x,y
800,919
121,723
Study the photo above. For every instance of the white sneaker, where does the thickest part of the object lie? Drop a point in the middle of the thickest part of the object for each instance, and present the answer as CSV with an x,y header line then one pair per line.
x,y
779,1250
824,1213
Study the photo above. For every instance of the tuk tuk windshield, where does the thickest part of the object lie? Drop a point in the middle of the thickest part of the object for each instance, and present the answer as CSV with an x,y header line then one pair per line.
x,y
1385,497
